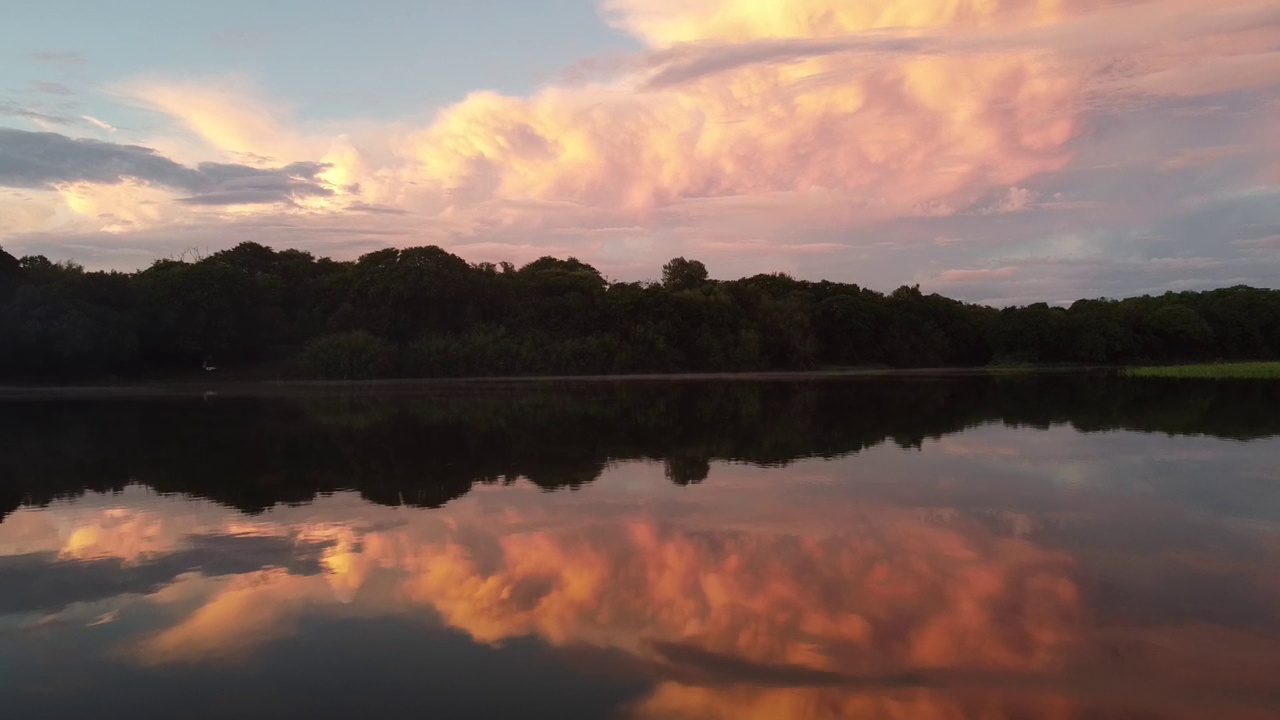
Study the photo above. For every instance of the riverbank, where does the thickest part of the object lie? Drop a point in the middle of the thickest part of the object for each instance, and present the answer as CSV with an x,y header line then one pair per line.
x,y
248,384
212,384
1210,371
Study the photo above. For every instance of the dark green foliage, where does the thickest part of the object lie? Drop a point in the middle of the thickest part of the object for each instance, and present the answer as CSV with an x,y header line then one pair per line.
x,y
681,274
355,355
10,274
422,312
58,321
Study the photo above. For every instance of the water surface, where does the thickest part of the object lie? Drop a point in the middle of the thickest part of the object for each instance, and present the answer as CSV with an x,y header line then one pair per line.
x,y
1056,547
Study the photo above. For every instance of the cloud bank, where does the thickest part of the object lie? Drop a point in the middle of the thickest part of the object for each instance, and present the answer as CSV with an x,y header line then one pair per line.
x,y
50,160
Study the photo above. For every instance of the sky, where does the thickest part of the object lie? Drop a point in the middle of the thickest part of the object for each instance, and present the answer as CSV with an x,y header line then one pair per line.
x,y
1000,151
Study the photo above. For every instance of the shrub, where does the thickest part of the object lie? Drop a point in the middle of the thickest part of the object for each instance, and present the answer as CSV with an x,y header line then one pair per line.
x,y
354,355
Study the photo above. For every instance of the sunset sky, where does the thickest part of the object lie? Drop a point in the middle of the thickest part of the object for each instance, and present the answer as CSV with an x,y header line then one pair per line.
x,y
991,150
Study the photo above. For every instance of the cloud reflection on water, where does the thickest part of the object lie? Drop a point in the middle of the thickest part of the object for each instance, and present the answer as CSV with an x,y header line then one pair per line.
x,y
836,603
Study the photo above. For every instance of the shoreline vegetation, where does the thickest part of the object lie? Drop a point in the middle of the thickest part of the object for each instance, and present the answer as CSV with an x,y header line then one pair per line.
x,y
1210,371
229,387
226,387
257,314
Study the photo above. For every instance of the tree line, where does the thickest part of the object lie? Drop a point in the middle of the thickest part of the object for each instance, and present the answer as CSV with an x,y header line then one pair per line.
x,y
424,312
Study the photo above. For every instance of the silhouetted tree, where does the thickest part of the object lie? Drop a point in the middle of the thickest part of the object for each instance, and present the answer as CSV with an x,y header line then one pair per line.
x,y
681,274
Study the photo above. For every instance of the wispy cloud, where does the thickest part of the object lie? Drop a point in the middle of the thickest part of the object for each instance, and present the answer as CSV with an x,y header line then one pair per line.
x,y
13,110
963,276
51,88
1271,242
59,58
98,123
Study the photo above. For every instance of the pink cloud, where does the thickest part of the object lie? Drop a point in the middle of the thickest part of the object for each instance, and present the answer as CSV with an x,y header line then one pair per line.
x,y
963,276
766,248
1016,199
1200,157
1183,264
1267,243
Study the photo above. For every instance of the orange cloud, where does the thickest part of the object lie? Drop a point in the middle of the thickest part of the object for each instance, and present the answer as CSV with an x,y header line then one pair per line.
x,y
664,22
673,701
241,614
883,596
893,595
127,534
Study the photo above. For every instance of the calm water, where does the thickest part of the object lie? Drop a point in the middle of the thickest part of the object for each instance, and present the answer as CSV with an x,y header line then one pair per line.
x,y
1058,548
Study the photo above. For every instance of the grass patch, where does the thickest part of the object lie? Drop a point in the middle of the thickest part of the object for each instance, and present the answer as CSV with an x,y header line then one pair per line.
x,y
1214,371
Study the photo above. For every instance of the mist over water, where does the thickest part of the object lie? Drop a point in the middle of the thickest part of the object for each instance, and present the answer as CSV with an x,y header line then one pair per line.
x,y
952,547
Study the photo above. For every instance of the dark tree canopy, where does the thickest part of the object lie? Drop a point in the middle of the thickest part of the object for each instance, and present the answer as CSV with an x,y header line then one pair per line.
x,y
9,264
681,274
422,311
10,270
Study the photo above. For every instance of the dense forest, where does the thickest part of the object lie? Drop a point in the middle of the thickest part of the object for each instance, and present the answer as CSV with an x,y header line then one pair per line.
x,y
423,312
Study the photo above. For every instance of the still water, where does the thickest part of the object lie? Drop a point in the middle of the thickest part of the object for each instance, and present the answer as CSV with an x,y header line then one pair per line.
x,y
1052,547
